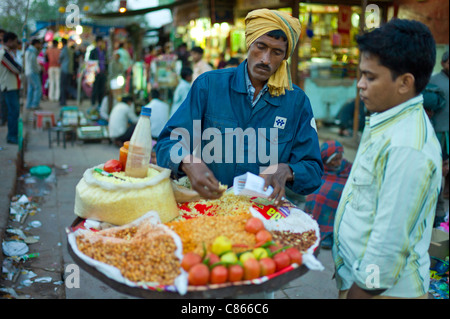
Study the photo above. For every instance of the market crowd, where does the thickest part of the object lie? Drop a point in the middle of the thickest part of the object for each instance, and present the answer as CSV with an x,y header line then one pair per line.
x,y
49,69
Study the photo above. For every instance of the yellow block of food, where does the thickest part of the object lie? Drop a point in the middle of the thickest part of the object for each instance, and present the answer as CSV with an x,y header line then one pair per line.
x,y
122,200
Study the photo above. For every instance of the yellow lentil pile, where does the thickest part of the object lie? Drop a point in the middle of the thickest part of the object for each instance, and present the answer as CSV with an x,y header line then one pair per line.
x,y
228,204
196,232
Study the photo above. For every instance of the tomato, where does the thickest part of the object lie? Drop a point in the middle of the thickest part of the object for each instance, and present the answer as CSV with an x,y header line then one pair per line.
x,y
112,166
263,236
219,275
267,265
198,275
281,260
254,225
235,273
252,269
295,255
212,258
190,259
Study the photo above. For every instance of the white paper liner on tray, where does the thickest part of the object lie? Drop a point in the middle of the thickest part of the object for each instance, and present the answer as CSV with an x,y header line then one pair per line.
x,y
298,222
180,283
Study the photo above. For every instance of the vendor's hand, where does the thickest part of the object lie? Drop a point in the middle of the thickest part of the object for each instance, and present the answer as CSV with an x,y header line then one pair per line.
x,y
277,176
201,177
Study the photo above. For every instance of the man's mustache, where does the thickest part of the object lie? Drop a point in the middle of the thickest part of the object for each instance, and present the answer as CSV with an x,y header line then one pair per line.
x,y
263,66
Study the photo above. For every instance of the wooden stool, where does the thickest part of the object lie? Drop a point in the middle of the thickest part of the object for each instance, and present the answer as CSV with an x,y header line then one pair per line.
x,y
41,115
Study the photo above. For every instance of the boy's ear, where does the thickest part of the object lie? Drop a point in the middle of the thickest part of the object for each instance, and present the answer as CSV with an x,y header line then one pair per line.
x,y
406,83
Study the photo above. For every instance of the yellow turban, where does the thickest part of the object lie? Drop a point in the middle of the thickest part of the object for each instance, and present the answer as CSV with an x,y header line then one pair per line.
x,y
261,21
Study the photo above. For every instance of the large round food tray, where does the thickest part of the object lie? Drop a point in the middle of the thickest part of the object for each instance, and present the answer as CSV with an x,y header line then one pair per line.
x,y
227,290
264,284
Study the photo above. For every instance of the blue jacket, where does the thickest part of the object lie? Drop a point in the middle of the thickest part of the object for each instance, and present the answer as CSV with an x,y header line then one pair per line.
x,y
218,103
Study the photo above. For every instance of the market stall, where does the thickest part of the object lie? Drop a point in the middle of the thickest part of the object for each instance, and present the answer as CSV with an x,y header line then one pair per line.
x,y
178,245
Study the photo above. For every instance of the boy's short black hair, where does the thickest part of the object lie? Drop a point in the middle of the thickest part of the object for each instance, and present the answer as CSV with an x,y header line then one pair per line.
x,y
403,46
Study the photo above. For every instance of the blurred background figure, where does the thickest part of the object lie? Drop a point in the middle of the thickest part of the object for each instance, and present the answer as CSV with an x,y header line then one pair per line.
x,y
43,62
54,71
441,118
322,204
124,56
99,54
183,55
233,63
200,66
122,121
33,74
222,63
160,113
345,118
182,89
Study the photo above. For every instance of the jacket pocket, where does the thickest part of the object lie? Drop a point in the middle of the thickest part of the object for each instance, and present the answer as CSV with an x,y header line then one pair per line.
x,y
277,141
364,187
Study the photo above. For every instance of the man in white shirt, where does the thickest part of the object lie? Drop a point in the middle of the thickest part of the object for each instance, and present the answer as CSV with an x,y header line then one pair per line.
x,y
200,65
384,220
160,113
32,72
10,72
182,89
122,121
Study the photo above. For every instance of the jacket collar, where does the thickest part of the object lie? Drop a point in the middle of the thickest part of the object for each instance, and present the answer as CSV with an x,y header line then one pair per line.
x,y
239,85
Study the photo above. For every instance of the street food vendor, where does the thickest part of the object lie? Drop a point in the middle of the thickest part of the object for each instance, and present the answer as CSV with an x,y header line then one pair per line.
x,y
247,119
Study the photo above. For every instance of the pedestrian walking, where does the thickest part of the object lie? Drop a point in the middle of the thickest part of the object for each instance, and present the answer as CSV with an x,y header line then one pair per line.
x,y
384,220
10,72
43,62
65,61
99,86
33,74
54,72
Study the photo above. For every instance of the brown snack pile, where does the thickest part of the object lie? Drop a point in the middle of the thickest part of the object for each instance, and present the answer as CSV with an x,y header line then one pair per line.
x,y
301,241
143,253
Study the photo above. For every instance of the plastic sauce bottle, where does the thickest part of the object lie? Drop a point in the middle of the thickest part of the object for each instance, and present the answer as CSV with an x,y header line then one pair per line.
x,y
140,147
123,153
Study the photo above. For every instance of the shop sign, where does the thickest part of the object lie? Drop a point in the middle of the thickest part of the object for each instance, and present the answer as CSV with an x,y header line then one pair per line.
x,y
344,19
